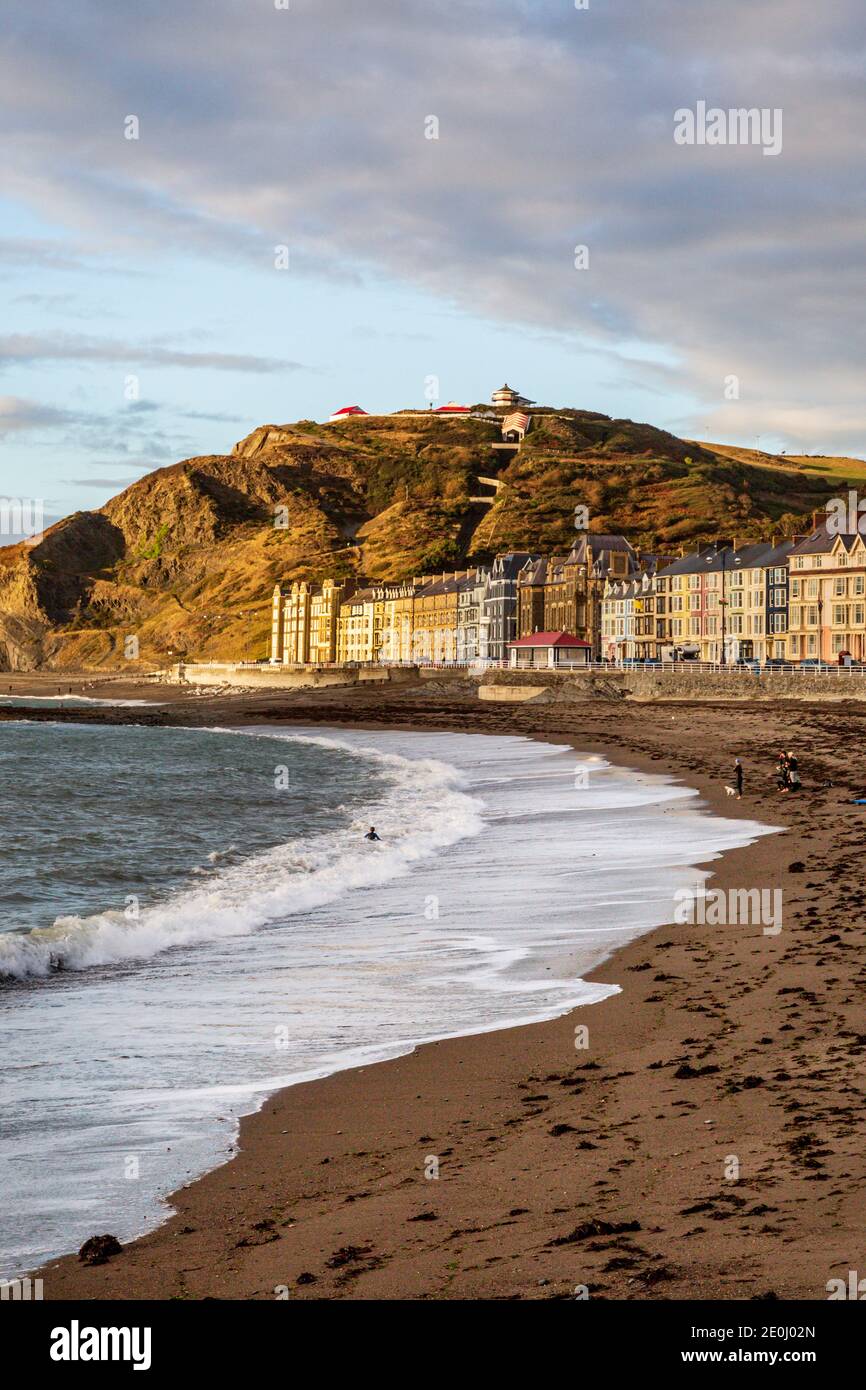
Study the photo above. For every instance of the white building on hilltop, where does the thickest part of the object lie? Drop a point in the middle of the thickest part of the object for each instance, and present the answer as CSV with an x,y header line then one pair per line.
x,y
506,398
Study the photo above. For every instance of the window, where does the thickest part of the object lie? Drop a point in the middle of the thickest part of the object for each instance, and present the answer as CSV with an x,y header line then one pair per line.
x,y
795,588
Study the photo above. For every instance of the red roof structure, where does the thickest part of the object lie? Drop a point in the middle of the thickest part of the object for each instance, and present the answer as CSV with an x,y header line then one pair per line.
x,y
549,639
346,410
452,409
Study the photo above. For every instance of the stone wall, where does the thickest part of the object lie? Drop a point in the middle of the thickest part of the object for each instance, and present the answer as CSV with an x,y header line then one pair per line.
x,y
687,683
277,678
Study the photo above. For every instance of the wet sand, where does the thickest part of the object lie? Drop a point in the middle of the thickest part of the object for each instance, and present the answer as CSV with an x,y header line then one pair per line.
x,y
709,1142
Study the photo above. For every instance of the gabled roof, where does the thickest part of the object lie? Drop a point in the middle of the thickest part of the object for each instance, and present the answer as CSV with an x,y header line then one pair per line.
x,y
821,541
712,560
534,571
346,410
512,563
517,420
549,639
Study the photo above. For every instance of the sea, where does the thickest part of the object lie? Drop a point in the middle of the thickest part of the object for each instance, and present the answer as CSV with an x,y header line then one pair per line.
x,y
191,919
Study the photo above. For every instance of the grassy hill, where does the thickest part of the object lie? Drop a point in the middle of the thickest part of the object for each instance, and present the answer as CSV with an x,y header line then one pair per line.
x,y
185,559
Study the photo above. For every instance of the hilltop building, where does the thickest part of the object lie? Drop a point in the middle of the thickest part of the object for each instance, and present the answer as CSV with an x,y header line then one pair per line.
x,y
347,412
515,426
506,398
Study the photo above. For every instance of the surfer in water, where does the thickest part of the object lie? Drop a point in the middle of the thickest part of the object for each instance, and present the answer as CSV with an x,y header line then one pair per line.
x,y
371,834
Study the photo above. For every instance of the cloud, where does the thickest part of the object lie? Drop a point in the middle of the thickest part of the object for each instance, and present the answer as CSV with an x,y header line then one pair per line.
x,y
217,416
18,414
103,482
20,348
555,129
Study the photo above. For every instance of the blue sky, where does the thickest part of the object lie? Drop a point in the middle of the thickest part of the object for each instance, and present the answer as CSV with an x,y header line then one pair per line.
x,y
412,257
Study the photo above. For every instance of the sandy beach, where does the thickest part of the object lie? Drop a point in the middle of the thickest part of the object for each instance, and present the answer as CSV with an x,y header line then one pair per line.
x,y
707,1144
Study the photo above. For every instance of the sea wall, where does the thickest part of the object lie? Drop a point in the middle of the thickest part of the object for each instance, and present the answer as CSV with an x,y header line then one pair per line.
x,y
688,683
742,684
278,678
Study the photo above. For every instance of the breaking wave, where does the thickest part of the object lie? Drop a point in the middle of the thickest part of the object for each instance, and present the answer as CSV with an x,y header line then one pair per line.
x,y
422,812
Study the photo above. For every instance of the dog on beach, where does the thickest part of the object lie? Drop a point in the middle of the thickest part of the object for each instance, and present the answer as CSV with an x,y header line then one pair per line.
x,y
730,791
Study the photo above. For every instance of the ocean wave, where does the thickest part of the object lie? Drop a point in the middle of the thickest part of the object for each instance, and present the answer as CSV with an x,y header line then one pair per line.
x,y
422,812
81,699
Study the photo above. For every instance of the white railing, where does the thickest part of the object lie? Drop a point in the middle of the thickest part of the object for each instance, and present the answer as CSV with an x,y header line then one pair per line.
x,y
745,668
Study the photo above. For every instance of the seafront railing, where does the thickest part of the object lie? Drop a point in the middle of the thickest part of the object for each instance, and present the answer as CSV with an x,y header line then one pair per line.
x,y
745,669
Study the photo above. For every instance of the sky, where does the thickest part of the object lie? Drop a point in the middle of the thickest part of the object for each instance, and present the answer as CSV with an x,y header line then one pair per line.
x,y
217,214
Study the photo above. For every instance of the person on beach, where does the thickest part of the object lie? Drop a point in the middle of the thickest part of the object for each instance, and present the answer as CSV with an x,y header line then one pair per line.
x,y
738,777
794,783
782,772
371,834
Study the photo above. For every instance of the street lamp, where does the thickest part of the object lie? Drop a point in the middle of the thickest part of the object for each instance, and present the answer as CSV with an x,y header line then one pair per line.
x,y
724,601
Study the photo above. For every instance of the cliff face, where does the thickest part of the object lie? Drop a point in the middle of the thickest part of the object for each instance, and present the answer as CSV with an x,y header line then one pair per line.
x,y
185,559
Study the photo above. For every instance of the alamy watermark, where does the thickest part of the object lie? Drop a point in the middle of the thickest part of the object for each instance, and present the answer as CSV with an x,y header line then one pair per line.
x,y
718,907
737,126
846,516
22,517
21,1290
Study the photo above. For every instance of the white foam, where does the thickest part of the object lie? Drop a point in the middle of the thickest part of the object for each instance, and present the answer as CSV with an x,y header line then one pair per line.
x,y
424,812
79,699
161,1059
